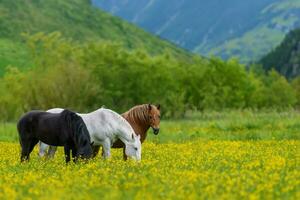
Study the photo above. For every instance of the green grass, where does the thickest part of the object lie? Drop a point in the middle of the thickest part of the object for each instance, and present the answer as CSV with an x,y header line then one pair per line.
x,y
232,125
8,132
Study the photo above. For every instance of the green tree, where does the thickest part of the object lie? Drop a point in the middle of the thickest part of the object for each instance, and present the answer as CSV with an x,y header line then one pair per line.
x,y
296,87
279,93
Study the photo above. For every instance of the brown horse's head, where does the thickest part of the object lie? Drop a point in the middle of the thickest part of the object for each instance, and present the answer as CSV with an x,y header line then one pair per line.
x,y
154,117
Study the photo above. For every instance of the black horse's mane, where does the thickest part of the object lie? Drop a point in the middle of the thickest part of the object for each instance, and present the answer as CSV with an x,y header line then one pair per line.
x,y
78,127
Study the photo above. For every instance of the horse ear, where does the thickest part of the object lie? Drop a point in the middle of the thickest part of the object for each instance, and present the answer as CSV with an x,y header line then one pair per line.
x,y
139,137
149,107
158,106
132,136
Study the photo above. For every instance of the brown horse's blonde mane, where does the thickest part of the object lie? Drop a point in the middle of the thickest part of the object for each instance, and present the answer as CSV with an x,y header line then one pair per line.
x,y
139,112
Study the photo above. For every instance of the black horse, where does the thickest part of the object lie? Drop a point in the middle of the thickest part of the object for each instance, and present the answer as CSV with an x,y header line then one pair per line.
x,y
63,129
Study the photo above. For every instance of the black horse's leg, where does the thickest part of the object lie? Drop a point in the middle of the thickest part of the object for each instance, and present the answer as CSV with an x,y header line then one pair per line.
x,y
74,154
27,147
124,154
32,144
67,153
96,150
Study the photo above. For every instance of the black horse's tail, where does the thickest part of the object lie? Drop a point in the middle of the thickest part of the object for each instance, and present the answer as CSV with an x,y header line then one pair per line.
x,y
24,126
27,139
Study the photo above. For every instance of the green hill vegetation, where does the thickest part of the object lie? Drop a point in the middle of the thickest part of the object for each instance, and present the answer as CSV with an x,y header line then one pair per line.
x,y
285,58
74,19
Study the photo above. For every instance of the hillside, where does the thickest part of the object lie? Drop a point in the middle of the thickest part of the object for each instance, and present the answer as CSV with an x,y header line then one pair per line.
x,y
76,19
244,29
286,57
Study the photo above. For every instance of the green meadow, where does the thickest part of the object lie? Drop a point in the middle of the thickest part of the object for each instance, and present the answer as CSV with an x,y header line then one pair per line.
x,y
213,155
229,126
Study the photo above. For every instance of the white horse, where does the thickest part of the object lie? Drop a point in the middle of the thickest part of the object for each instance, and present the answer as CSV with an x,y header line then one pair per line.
x,y
105,127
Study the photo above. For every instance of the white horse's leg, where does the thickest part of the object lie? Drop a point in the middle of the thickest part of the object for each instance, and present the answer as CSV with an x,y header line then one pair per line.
x,y
42,149
51,151
106,148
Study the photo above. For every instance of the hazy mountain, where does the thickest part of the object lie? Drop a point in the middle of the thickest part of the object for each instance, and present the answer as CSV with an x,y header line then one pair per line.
x,y
243,28
286,57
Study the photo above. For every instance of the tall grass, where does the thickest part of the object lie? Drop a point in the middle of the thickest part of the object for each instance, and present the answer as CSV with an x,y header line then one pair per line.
x,y
8,132
232,125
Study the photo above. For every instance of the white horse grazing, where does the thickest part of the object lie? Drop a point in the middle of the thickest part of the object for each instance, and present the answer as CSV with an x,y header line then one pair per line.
x,y
105,127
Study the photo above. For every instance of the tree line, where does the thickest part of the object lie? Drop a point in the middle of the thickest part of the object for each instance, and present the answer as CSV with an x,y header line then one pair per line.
x,y
85,76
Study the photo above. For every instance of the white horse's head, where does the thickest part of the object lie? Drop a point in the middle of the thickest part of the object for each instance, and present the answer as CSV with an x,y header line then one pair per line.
x,y
133,148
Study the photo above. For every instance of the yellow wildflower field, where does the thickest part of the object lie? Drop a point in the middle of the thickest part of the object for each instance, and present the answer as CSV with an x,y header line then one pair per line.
x,y
199,169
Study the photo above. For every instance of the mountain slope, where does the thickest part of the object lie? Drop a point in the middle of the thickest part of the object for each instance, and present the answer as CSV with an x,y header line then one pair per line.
x,y
286,57
76,19
245,29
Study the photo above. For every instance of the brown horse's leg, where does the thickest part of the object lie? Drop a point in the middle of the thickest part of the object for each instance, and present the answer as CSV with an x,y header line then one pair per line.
x,y
96,150
124,154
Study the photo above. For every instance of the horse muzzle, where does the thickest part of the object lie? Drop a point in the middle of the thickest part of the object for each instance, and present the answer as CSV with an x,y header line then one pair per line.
x,y
155,130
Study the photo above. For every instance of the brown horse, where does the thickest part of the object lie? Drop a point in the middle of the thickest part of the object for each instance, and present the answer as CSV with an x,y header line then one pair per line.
x,y
141,118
